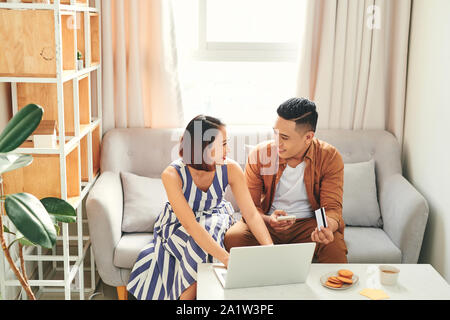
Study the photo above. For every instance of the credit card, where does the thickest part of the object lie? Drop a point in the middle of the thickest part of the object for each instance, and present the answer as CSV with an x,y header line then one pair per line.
x,y
321,218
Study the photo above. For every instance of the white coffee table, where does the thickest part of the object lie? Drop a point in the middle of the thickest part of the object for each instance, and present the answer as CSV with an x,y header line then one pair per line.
x,y
416,282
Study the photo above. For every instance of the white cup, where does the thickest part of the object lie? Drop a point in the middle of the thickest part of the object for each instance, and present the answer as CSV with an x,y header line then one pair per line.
x,y
388,275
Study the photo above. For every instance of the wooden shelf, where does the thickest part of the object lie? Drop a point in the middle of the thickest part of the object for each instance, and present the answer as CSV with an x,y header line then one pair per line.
x,y
95,38
27,43
68,25
81,36
68,74
71,74
74,201
92,136
73,173
42,177
84,94
30,31
28,147
84,158
64,2
51,1
64,5
45,95
31,43
94,94
84,129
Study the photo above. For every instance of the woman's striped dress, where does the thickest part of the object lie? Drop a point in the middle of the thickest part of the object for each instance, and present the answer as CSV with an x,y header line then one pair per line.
x,y
168,264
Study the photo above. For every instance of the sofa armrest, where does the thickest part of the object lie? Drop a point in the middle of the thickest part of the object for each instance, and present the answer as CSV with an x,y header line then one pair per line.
x,y
405,214
104,209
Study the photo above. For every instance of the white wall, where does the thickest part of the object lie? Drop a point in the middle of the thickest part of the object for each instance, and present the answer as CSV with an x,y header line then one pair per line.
x,y
426,152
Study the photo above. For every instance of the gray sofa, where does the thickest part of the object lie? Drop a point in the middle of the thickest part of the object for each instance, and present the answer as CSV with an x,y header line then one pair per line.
x,y
146,152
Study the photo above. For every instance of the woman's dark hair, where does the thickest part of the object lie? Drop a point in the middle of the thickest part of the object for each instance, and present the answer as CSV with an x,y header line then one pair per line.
x,y
198,135
300,110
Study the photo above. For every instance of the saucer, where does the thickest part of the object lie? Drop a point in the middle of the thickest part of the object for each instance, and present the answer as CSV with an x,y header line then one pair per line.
x,y
324,279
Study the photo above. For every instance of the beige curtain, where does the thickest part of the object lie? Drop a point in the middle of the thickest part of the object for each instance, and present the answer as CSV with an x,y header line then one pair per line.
x,y
353,63
140,81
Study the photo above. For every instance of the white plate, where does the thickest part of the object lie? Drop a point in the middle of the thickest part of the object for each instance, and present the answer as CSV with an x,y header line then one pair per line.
x,y
324,279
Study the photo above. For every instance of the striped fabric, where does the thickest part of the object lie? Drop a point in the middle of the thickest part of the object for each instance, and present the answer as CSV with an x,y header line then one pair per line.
x,y
168,264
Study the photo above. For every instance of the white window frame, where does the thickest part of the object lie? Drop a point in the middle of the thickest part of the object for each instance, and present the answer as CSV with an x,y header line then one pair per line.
x,y
239,51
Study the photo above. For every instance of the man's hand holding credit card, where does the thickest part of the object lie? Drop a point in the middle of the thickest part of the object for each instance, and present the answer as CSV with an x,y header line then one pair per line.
x,y
322,234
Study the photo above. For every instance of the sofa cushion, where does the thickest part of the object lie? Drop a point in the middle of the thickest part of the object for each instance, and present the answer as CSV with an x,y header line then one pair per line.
x,y
143,200
370,245
360,204
357,239
128,248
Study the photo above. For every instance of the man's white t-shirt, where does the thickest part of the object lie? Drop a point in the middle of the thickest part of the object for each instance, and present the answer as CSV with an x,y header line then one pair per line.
x,y
290,194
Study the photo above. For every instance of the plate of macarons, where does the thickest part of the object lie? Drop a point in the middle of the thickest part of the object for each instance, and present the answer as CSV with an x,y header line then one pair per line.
x,y
339,280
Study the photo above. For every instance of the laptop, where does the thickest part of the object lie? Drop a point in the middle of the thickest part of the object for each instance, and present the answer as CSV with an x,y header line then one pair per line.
x,y
258,266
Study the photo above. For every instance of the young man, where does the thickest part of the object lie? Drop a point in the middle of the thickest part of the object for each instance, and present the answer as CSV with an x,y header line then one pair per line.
x,y
296,174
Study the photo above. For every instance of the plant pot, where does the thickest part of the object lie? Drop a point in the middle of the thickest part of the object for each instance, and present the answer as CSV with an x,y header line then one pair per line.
x,y
80,64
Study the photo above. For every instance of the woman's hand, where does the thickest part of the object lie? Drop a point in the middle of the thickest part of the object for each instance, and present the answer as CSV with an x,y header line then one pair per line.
x,y
245,202
225,259
186,216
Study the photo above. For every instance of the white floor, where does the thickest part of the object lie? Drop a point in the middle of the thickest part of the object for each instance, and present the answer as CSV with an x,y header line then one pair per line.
x,y
102,292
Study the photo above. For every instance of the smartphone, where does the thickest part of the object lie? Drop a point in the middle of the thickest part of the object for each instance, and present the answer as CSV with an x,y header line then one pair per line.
x,y
284,218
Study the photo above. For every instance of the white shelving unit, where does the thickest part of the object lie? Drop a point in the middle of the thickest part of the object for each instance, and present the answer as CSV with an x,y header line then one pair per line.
x,y
82,145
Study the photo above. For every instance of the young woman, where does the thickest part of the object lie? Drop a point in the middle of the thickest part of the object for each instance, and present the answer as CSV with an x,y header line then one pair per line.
x,y
191,228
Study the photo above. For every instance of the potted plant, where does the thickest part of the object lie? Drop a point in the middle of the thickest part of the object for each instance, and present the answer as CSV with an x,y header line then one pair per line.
x,y
80,62
36,220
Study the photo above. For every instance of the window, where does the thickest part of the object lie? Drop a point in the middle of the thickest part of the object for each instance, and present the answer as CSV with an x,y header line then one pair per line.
x,y
237,58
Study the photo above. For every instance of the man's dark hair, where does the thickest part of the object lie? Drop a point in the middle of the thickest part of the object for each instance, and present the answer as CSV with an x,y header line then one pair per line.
x,y
193,143
300,110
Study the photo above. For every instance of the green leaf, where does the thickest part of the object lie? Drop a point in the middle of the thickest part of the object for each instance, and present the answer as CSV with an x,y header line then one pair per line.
x,y
13,161
57,228
6,230
60,209
24,241
30,217
20,127
55,223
